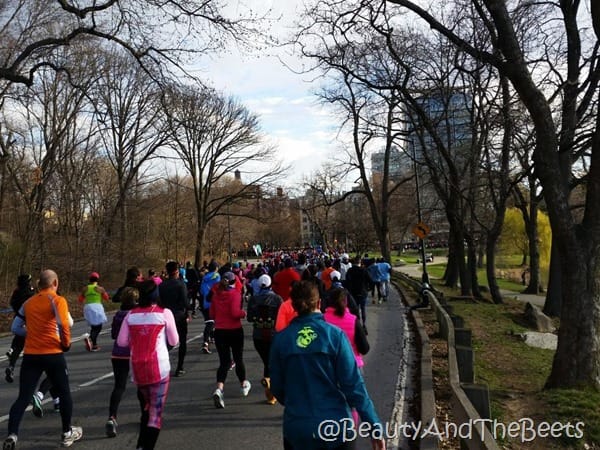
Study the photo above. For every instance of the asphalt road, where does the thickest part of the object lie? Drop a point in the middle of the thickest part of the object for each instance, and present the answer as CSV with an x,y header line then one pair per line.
x,y
190,419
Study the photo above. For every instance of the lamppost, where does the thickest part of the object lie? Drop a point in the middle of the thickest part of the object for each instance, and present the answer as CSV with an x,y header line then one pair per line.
x,y
425,277
229,256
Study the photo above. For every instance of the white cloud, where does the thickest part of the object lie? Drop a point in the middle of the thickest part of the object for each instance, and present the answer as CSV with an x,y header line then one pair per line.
x,y
290,116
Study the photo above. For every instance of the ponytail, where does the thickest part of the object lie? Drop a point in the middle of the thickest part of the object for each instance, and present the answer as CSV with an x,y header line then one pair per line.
x,y
338,299
305,297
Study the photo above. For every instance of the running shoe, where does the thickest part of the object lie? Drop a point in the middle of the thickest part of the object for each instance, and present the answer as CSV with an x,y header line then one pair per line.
x,y
9,352
245,388
9,375
95,348
218,398
37,409
57,405
10,443
111,427
266,382
71,436
205,349
232,366
88,342
179,372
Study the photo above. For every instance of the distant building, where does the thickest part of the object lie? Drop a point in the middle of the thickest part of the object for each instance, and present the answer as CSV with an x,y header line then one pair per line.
x,y
399,165
309,232
449,114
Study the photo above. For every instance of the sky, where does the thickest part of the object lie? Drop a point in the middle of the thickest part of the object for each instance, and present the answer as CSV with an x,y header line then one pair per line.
x,y
292,119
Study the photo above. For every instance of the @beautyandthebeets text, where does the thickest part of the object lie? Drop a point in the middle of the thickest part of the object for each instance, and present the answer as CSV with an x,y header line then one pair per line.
x,y
524,430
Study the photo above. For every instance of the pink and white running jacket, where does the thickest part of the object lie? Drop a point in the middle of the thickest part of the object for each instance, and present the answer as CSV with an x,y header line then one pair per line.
x,y
147,330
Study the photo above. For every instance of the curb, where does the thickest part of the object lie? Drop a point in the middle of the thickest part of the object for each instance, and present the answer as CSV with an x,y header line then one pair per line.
x,y
462,408
426,393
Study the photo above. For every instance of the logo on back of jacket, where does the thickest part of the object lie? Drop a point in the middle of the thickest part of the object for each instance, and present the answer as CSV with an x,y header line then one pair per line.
x,y
305,337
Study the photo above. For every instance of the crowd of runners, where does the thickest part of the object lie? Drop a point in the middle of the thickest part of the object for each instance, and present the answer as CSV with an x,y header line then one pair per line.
x,y
286,288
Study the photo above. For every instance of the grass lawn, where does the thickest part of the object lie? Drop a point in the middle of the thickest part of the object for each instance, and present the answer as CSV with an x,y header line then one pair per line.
x,y
516,373
437,271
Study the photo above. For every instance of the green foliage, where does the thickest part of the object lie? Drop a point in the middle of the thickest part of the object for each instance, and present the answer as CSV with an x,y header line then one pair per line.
x,y
514,242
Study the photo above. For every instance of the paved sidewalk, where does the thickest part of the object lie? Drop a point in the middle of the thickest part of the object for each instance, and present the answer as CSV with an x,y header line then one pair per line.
x,y
415,271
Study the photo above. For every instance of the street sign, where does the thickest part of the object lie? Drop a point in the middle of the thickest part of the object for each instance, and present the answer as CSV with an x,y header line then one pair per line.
x,y
421,230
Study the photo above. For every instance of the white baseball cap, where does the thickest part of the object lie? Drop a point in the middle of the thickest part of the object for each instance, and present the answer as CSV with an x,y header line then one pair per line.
x,y
264,280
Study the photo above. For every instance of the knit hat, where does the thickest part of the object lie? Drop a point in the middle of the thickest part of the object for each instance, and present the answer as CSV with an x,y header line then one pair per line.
x,y
95,275
23,280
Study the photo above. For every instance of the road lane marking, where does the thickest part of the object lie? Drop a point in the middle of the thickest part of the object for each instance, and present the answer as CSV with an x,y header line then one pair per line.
x,y
96,380
88,383
401,395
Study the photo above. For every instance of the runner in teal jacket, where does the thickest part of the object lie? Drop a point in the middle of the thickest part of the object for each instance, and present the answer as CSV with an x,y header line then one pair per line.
x,y
315,376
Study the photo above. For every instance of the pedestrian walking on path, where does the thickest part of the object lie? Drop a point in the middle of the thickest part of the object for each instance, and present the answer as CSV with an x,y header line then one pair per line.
x,y
210,279
338,314
262,313
133,277
23,291
48,337
120,358
315,376
226,310
374,271
92,296
174,296
357,283
149,331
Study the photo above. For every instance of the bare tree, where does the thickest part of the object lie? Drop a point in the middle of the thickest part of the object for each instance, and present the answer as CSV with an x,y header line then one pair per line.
x,y
323,192
132,127
554,155
216,138
370,115
158,32
50,128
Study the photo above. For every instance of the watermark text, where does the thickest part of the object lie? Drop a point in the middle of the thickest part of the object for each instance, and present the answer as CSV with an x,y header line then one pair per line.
x,y
524,430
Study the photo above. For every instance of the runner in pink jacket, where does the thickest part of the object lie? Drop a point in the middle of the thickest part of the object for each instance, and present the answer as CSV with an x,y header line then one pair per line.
x,y
149,330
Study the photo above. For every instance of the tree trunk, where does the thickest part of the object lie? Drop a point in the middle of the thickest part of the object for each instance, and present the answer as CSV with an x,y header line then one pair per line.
x,y
553,302
576,361
451,273
472,268
458,249
534,248
199,250
122,235
385,244
490,268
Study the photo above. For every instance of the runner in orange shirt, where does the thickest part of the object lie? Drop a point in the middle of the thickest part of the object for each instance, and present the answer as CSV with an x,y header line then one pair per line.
x,y
48,337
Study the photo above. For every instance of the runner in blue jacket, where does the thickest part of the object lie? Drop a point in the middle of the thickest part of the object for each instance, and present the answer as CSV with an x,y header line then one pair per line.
x,y
315,376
